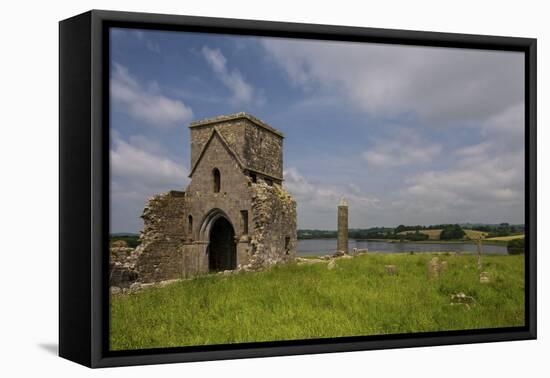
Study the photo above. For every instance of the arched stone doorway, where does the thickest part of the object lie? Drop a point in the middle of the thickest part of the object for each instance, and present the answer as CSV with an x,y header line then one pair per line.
x,y
222,253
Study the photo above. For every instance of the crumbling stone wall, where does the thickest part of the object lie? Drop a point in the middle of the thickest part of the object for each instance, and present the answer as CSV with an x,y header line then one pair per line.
x,y
274,236
159,255
122,272
168,251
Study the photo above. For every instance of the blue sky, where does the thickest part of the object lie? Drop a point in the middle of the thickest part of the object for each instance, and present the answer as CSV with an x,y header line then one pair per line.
x,y
409,135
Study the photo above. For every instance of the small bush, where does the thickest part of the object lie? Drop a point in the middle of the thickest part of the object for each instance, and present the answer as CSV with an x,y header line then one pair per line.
x,y
516,246
131,241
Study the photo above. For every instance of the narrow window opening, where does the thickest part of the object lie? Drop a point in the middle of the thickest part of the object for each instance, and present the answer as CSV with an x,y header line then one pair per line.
x,y
269,182
190,226
244,220
254,178
287,245
217,180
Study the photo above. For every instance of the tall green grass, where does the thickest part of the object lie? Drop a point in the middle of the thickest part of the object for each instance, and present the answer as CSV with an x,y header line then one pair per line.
x,y
309,301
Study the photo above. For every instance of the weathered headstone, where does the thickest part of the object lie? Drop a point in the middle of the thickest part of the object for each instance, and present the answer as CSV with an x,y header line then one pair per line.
x,y
436,268
433,267
391,269
484,277
331,264
462,299
338,254
303,261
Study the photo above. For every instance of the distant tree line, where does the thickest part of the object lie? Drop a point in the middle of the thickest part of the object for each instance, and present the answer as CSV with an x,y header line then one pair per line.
x,y
413,233
403,228
398,233
316,234
502,229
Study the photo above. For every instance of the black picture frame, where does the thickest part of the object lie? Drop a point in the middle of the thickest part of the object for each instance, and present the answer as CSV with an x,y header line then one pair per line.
x,y
84,187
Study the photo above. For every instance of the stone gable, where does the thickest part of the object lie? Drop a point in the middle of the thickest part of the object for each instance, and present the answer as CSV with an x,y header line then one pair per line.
x,y
258,146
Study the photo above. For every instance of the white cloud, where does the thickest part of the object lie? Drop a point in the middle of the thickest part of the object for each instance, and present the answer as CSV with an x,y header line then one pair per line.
x,y
136,164
441,85
490,180
474,151
150,44
139,171
354,188
146,103
485,182
479,91
406,148
507,128
316,201
140,35
480,186
243,92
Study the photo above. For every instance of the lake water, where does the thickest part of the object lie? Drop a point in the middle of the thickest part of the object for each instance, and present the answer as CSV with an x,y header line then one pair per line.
x,y
314,247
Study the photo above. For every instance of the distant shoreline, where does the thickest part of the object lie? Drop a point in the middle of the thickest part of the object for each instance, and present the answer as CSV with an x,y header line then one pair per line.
x,y
396,241
487,242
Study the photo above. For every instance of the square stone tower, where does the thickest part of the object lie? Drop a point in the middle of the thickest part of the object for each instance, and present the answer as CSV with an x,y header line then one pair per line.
x,y
256,146
234,214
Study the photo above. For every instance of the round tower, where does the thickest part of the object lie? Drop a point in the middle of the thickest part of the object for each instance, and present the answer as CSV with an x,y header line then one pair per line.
x,y
342,245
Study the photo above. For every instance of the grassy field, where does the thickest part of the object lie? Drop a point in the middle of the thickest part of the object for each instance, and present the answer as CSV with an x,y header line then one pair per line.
x,y
357,297
474,235
432,234
506,238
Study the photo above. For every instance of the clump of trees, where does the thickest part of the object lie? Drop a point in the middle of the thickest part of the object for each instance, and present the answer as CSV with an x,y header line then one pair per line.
x,y
516,246
353,233
372,233
412,236
403,228
452,232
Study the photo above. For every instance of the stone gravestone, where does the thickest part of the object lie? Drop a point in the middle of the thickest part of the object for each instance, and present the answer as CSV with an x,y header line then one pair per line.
x,y
436,267
484,277
433,267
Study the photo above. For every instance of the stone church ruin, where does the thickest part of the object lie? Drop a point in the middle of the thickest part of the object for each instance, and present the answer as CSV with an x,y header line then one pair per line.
x,y
233,215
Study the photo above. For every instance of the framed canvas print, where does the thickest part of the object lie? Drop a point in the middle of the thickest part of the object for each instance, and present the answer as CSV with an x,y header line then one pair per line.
x,y
234,188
